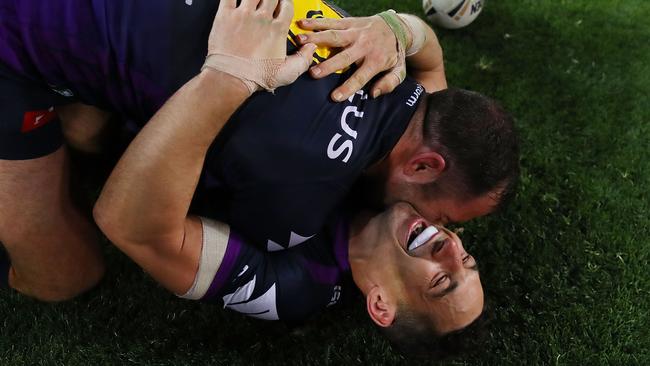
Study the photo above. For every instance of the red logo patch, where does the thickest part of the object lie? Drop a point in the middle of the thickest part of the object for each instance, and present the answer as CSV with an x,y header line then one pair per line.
x,y
35,119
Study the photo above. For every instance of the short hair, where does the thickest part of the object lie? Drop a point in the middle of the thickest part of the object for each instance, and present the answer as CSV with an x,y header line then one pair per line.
x,y
478,141
414,336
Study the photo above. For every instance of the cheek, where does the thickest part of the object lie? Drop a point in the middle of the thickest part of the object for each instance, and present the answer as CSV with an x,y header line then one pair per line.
x,y
417,273
431,212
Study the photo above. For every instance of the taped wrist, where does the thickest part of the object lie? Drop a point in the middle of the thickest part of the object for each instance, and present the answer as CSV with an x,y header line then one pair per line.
x,y
400,30
418,33
398,27
255,74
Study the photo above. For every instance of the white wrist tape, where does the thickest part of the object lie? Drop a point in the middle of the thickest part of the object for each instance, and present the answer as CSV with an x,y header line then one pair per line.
x,y
255,74
418,33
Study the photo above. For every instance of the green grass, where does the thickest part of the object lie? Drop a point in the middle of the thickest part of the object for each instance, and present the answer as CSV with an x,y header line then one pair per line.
x,y
565,267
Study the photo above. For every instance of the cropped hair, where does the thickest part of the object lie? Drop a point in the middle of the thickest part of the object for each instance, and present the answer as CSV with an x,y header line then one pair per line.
x,y
414,336
478,141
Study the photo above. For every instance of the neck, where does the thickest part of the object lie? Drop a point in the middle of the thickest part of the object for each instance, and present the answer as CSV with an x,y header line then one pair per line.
x,y
358,252
411,137
383,176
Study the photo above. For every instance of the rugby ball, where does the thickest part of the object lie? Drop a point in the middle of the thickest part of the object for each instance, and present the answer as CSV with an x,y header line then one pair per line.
x,y
452,14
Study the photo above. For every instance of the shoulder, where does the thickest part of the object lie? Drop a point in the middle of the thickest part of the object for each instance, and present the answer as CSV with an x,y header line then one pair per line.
x,y
290,285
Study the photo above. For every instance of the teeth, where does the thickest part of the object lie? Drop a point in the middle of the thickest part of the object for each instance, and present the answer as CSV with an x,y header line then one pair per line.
x,y
423,237
419,229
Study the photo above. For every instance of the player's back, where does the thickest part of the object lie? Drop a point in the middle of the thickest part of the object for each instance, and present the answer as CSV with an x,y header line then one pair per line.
x,y
124,56
283,163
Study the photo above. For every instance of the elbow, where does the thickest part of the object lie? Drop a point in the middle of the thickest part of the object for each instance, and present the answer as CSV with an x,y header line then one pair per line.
x,y
107,221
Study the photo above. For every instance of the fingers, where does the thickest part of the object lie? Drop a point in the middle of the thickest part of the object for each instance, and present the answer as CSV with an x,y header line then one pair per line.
x,y
295,65
328,38
357,81
339,61
303,57
385,85
323,23
249,4
268,6
284,12
227,4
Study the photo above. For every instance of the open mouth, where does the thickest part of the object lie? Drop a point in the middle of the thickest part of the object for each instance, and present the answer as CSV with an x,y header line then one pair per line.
x,y
419,234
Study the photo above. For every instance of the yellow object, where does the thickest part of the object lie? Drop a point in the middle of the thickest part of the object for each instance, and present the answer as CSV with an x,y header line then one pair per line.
x,y
312,9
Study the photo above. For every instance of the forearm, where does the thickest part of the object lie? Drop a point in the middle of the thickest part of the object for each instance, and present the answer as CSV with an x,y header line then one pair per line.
x,y
147,196
427,65
144,204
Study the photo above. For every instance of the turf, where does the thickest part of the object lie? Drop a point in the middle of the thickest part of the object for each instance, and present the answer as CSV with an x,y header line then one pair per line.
x,y
565,267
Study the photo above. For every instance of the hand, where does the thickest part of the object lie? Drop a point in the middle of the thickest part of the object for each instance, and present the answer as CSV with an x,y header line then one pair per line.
x,y
234,44
237,31
368,41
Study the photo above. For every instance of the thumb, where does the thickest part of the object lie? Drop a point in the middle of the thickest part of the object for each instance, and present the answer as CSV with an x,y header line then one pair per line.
x,y
295,65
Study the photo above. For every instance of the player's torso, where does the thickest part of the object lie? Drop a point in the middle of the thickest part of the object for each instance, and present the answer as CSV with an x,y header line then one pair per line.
x,y
122,55
125,56
290,286
285,162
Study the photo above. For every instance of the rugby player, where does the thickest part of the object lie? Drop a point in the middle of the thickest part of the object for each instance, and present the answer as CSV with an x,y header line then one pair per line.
x,y
271,167
415,276
57,60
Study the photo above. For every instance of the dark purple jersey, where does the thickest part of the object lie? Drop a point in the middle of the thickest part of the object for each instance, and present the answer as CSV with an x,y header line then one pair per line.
x,y
125,56
283,163
290,286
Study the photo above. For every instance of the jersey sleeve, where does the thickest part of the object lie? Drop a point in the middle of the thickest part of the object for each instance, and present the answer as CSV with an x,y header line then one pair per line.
x,y
290,286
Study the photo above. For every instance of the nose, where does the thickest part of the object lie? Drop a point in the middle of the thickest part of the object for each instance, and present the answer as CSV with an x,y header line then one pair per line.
x,y
452,256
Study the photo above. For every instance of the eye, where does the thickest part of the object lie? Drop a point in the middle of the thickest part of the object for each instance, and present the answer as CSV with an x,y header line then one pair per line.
x,y
469,261
439,281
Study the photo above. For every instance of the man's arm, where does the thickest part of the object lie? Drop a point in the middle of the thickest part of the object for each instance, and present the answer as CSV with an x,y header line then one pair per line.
x,y
427,64
144,205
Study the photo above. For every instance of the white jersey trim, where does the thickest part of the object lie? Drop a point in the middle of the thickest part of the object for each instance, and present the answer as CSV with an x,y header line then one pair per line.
x,y
215,242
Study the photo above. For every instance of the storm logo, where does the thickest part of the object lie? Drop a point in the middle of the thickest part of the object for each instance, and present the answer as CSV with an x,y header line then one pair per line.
x,y
263,307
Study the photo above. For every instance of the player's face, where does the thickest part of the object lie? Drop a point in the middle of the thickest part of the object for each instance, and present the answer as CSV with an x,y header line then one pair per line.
x,y
426,267
444,210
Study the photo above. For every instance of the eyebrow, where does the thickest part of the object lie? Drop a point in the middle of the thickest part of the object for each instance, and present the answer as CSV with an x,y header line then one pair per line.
x,y
453,285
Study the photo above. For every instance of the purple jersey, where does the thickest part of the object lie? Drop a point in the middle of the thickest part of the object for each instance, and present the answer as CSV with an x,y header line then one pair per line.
x,y
283,162
289,286
124,56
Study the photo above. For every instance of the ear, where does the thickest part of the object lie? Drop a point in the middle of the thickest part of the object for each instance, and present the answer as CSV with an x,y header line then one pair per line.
x,y
424,167
381,311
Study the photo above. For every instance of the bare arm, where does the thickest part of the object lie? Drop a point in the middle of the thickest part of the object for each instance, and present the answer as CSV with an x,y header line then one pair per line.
x,y
427,65
143,208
